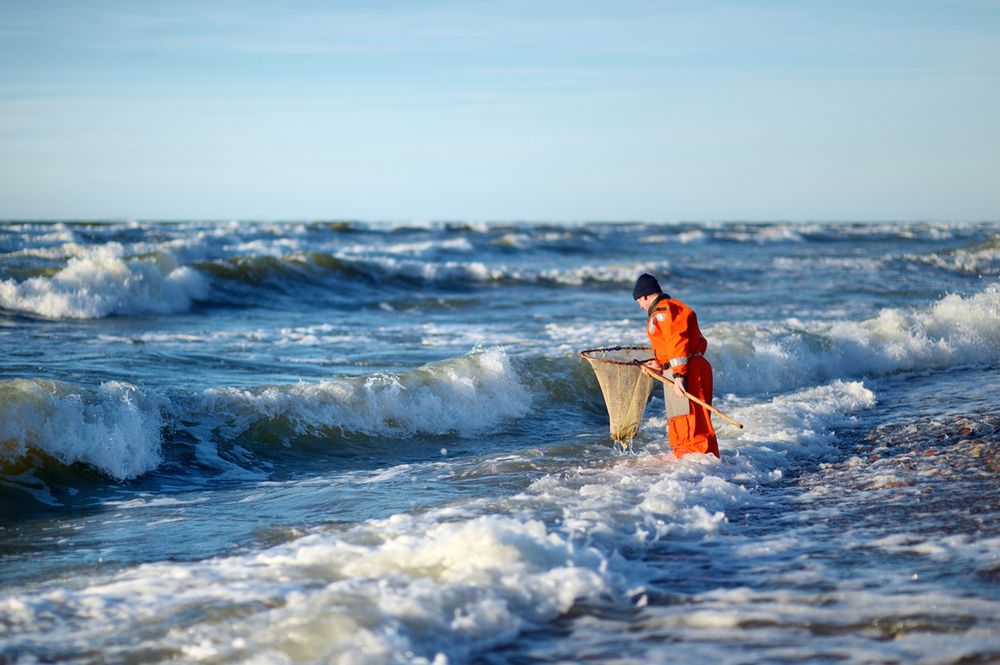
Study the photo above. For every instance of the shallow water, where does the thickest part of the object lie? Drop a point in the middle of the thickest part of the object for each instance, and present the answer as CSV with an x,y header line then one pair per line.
x,y
376,443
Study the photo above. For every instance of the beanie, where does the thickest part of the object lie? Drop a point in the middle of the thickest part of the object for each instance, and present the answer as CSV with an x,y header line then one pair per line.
x,y
645,285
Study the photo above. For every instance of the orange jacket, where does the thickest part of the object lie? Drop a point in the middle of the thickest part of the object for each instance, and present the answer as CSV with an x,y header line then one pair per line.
x,y
673,330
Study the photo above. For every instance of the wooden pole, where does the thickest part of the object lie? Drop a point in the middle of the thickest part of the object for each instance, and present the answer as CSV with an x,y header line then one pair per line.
x,y
659,377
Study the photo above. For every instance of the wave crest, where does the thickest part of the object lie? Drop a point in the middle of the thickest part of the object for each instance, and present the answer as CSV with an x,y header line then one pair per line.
x,y
952,331
466,395
981,259
113,428
102,281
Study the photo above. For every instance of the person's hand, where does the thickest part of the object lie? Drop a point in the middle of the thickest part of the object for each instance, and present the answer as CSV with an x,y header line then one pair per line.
x,y
654,364
679,386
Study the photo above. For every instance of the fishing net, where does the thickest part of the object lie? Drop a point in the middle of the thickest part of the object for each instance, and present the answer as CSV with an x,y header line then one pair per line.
x,y
626,388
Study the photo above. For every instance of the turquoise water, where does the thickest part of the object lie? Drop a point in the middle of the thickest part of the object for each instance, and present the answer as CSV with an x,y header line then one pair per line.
x,y
347,442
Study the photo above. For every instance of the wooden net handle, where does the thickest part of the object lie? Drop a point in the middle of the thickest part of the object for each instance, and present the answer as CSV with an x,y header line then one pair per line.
x,y
659,377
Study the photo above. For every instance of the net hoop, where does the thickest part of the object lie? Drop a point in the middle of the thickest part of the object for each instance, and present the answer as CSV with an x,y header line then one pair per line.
x,y
626,388
593,354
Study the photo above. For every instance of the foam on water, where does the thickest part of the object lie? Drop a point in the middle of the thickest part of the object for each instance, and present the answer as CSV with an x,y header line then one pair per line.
x,y
113,428
418,248
63,251
385,591
459,396
805,542
463,335
983,259
683,237
856,568
408,261
527,239
101,281
751,359
616,273
116,428
435,586
483,390
851,263
786,431
796,232
773,357
14,237
320,335
763,234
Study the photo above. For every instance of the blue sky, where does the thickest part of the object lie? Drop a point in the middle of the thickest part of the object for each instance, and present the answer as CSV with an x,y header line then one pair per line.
x,y
544,110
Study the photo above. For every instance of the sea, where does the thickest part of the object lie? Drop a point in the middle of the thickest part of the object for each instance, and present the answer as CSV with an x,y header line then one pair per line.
x,y
354,442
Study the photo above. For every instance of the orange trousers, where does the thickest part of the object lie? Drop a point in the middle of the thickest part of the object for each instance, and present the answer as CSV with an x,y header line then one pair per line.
x,y
694,433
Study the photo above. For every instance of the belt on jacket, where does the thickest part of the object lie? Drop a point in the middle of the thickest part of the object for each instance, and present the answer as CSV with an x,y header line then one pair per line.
x,y
683,360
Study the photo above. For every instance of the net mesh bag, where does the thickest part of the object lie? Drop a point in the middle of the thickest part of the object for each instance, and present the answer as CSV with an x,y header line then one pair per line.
x,y
626,388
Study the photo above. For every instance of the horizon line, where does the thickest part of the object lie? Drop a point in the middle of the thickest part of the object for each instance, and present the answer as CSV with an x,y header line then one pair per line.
x,y
473,220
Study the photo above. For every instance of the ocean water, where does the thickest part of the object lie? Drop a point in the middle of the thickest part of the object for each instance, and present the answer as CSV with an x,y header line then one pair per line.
x,y
376,443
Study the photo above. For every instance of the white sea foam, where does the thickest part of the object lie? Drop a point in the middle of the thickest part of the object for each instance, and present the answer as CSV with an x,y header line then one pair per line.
x,y
478,271
415,249
101,281
967,550
983,260
441,585
114,428
884,623
767,357
460,396
845,263
682,237
463,335
798,231
762,234
951,331
220,241
530,239
516,240
319,335
617,273
399,590
63,251
444,584
475,271
692,499
34,237
264,247
152,501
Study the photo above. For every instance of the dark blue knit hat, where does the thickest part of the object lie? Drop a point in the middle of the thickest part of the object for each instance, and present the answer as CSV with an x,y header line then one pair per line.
x,y
645,285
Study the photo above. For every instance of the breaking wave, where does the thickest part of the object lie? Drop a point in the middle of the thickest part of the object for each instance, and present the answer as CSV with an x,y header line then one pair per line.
x,y
448,583
114,428
81,271
982,259
461,396
955,330
101,281
118,430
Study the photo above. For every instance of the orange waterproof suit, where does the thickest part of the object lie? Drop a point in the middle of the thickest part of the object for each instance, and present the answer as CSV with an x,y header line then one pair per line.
x,y
678,346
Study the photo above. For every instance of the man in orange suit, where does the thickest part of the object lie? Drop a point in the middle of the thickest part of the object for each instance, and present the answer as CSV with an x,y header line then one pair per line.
x,y
679,347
